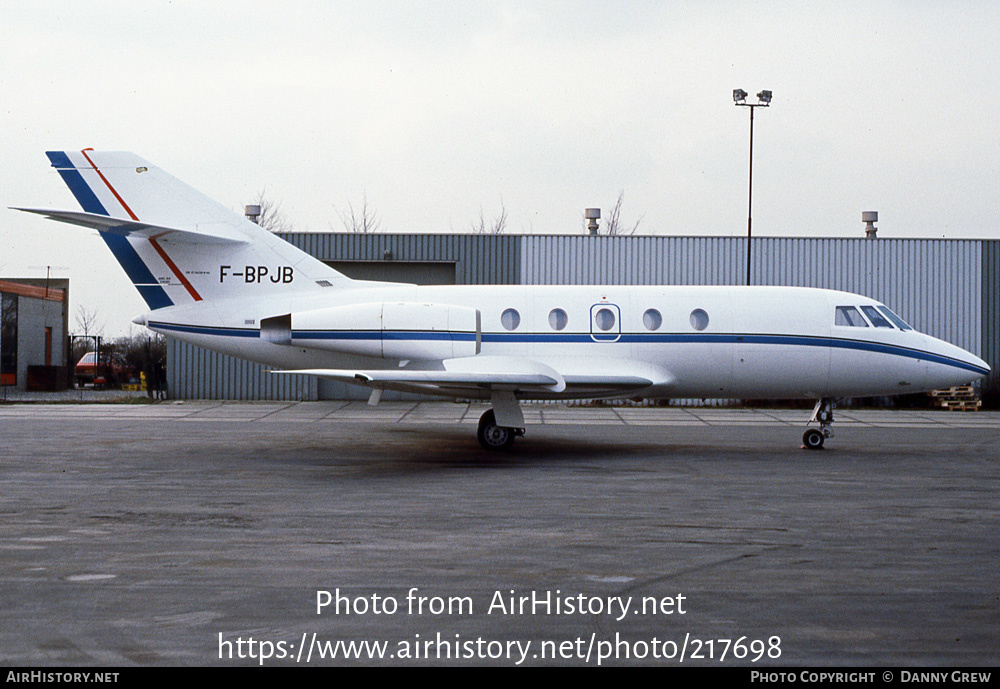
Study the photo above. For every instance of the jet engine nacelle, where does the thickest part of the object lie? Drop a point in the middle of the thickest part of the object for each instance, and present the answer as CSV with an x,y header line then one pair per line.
x,y
388,330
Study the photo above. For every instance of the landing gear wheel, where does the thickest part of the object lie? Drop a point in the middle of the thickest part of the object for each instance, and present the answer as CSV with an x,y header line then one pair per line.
x,y
494,437
813,439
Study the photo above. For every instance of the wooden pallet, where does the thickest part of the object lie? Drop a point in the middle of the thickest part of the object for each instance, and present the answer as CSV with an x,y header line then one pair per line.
x,y
956,392
957,398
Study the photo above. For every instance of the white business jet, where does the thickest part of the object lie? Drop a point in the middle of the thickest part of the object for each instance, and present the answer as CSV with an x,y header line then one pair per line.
x,y
215,279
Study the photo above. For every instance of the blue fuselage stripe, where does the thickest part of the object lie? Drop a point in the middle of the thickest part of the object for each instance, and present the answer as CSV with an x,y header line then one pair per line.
x,y
202,330
583,338
396,335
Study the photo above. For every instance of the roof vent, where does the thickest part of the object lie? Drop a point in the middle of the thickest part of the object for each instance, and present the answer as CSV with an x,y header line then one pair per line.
x,y
870,218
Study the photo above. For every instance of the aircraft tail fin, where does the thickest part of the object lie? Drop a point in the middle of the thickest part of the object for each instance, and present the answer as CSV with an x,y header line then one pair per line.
x,y
177,245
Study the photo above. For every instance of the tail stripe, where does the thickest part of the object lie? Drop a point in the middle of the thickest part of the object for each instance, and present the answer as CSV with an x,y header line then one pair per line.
x,y
106,182
159,250
154,296
74,180
59,160
173,267
152,293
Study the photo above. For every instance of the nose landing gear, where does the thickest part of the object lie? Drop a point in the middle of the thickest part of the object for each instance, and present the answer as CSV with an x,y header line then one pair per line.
x,y
813,438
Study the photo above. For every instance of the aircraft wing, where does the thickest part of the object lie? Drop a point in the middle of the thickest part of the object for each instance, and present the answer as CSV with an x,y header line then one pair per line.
x,y
448,378
482,374
210,233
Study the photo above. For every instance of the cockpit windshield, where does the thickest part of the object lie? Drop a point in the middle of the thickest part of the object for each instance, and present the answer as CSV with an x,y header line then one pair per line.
x,y
879,316
897,321
877,319
849,316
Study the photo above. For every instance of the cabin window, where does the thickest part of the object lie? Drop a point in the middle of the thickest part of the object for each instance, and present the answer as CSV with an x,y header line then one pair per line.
x,y
510,319
699,319
558,319
877,319
899,322
652,319
849,316
605,319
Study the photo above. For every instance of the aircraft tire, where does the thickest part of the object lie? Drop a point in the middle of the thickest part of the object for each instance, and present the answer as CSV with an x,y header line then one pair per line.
x,y
813,439
494,437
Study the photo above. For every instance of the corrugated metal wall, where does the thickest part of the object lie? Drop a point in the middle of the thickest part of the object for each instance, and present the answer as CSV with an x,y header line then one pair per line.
x,y
195,373
583,260
934,284
991,316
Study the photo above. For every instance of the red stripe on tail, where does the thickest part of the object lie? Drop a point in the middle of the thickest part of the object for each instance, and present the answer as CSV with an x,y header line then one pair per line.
x,y
152,240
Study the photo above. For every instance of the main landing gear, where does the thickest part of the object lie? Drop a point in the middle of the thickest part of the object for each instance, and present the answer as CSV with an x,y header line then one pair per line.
x,y
813,438
495,437
500,425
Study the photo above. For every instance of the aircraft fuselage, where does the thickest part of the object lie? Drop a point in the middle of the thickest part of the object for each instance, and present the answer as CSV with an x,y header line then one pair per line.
x,y
690,341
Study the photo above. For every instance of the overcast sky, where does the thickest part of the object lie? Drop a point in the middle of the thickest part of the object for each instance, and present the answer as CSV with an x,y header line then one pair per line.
x,y
437,112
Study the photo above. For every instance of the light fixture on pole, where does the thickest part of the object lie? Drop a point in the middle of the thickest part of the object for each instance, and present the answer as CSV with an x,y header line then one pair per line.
x,y
763,101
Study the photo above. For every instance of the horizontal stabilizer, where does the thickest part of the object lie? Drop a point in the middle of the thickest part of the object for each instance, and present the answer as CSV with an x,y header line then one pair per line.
x,y
215,233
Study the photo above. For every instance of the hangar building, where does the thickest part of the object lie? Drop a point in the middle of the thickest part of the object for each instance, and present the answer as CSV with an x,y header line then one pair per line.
x,y
948,288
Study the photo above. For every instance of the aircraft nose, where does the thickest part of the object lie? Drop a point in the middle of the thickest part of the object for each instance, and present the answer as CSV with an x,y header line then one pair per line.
x,y
972,361
951,365
976,361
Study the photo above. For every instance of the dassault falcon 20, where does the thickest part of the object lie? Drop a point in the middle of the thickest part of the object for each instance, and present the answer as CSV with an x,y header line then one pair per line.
x,y
215,279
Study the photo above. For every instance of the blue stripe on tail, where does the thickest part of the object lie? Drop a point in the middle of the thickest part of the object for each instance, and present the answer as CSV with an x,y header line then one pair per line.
x,y
59,159
137,271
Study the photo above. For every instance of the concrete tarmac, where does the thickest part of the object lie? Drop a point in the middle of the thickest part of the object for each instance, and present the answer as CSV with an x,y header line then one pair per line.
x,y
175,534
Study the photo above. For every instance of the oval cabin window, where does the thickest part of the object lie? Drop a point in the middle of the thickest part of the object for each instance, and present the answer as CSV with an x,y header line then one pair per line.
x,y
558,319
510,319
652,319
699,319
605,319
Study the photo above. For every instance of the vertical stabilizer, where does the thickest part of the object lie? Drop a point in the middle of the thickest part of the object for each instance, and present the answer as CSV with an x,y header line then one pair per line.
x,y
176,245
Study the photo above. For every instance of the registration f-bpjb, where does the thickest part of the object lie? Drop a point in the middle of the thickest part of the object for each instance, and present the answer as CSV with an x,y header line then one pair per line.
x,y
282,274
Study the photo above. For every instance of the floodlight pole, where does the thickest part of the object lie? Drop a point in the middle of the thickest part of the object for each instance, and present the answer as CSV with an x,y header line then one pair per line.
x,y
761,104
750,199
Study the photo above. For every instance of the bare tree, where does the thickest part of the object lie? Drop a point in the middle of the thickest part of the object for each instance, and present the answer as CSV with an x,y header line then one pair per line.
x,y
363,221
613,223
88,321
498,226
271,218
